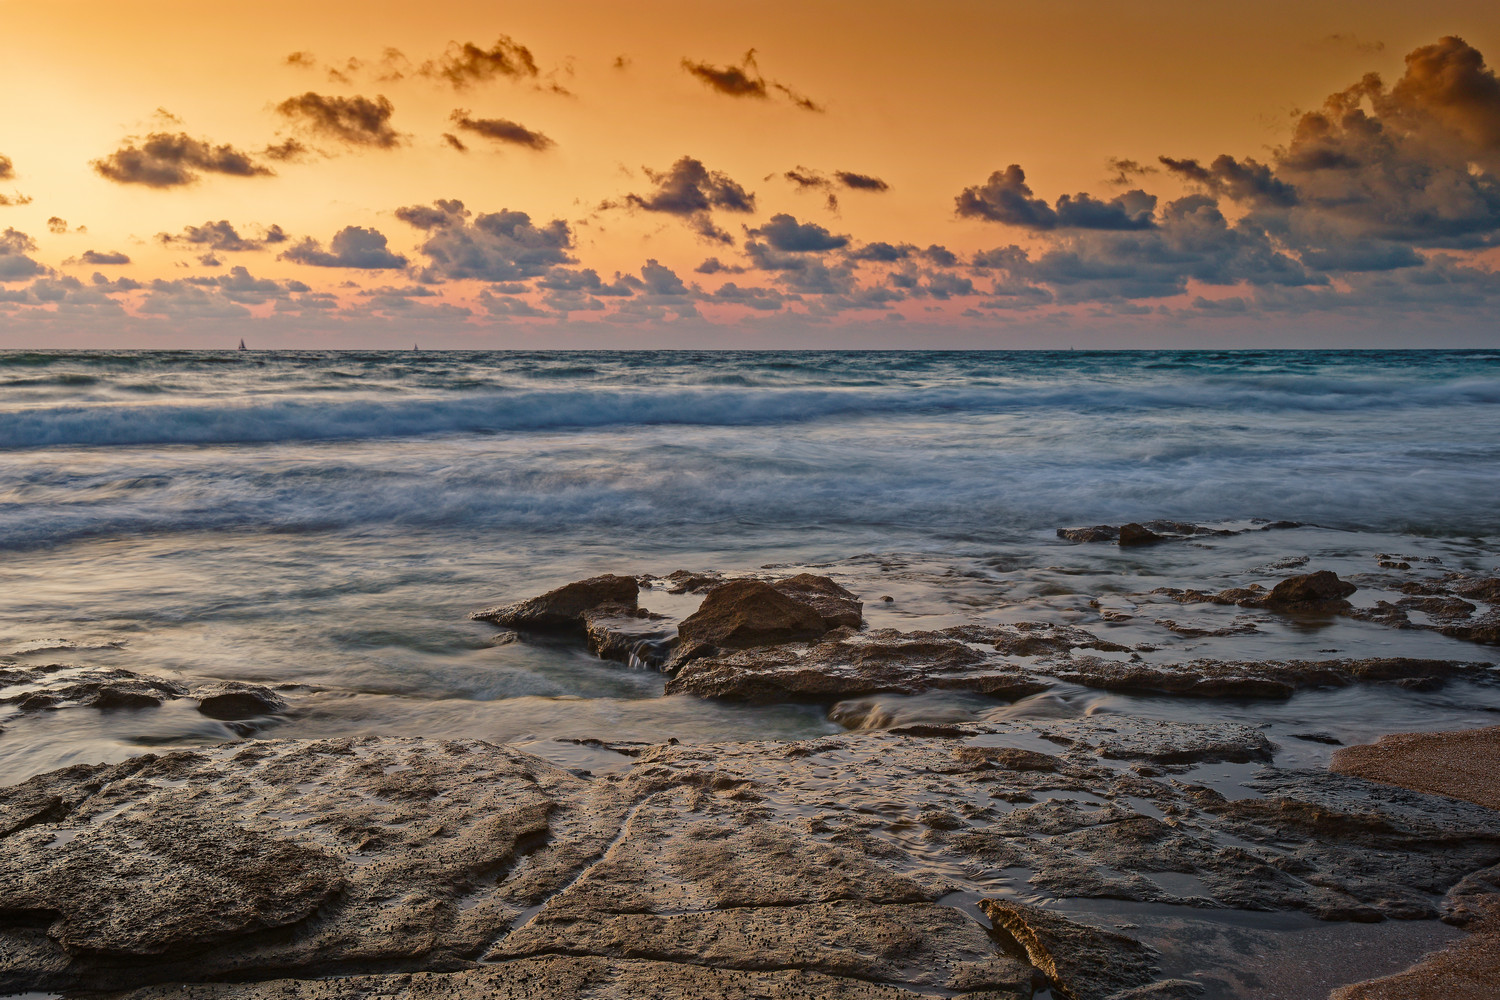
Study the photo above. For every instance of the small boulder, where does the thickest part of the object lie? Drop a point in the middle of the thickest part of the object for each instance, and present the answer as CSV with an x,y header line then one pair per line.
x,y
564,607
743,614
1098,533
838,607
1082,962
232,700
1137,534
1310,590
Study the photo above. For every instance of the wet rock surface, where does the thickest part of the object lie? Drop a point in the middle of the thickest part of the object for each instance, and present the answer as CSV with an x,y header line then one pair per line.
x,y
844,866
853,664
235,700
563,609
743,614
58,685
1258,678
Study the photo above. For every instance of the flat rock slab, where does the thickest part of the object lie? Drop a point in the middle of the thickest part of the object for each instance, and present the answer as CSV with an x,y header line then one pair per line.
x,y
406,867
853,664
1464,764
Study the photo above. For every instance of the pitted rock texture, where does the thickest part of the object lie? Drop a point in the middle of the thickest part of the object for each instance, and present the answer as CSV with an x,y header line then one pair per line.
x,y
60,685
563,609
744,614
849,665
406,867
838,607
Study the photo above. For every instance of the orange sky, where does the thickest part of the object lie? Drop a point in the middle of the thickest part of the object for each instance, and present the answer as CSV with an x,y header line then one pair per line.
x,y
930,98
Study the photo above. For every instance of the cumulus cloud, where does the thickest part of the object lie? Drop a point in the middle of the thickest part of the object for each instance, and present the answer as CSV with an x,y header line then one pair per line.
x,y
1007,198
860,182
221,236
466,64
103,258
167,160
1246,181
786,234
692,192
744,80
501,130
15,262
812,180
354,121
502,246
352,247
7,168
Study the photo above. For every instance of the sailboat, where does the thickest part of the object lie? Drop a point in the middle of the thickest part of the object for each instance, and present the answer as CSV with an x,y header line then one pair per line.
x,y
414,347
242,346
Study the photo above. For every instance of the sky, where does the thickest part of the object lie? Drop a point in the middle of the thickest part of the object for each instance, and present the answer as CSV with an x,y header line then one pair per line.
x,y
756,174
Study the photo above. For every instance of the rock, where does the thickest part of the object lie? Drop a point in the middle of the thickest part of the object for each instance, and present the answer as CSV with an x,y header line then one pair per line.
x,y
838,607
1098,533
1137,534
1311,590
1460,764
848,666
684,582
1082,962
1257,678
1129,738
638,639
58,685
744,614
563,608
1041,639
232,700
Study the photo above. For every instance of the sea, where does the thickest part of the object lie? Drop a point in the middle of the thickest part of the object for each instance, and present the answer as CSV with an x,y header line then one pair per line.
x,y
324,523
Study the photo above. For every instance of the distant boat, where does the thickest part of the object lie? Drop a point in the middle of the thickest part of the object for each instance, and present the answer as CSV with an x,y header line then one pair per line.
x,y
414,347
242,345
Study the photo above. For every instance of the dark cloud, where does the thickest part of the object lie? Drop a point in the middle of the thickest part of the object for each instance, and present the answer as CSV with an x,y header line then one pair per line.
x,y
715,266
660,280
1007,198
7,168
860,182
502,246
691,191
302,60
786,234
15,264
354,121
745,80
1246,181
621,62
1126,171
166,160
57,226
352,246
221,236
6,201
455,142
104,258
443,213
288,151
501,130
759,299
467,64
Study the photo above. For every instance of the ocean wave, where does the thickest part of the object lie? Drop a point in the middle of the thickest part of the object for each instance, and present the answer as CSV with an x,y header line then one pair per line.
x,y
276,418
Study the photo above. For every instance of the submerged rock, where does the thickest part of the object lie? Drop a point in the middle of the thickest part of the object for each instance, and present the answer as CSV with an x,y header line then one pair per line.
x,y
1138,534
1207,678
1098,533
851,665
233,700
1311,591
563,608
58,685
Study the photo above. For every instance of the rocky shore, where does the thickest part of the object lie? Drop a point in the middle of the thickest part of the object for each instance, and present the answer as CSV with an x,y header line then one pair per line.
x,y
999,860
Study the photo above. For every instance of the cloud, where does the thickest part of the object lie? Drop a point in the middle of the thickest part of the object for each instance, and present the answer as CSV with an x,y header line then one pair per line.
x,y
301,60
352,246
455,142
715,266
860,182
57,226
7,168
1246,181
744,80
222,236
501,130
468,64
1007,198
166,160
15,264
6,201
103,258
288,151
502,246
786,234
688,187
1126,171
354,121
